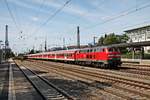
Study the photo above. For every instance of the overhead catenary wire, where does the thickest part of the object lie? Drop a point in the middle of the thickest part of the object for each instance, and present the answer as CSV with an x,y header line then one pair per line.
x,y
52,16
101,3
121,14
118,16
128,26
144,22
13,18
40,7
11,15
37,14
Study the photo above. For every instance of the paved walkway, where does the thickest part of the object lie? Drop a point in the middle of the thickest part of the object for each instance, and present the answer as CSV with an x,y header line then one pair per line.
x,y
4,81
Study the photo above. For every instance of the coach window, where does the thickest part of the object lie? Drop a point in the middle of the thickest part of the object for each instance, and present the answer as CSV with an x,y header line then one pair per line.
x,y
91,50
97,49
103,49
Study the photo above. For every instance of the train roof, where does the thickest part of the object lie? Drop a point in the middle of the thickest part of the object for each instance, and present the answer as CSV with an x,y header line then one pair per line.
x,y
70,50
60,51
67,51
96,47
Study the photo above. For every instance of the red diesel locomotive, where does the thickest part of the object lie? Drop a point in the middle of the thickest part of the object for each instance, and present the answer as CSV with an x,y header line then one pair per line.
x,y
99,56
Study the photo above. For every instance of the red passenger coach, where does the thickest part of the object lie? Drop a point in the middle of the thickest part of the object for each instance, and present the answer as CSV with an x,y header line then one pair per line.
x,y
62,55
104,56
65,55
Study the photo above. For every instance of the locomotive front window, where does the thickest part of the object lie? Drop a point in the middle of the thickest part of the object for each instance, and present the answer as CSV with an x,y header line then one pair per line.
x,y
103,50
113,50
110,49
117,50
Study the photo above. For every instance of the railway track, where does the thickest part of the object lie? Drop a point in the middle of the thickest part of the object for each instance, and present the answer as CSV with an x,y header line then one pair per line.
x,y
46,89
136,66
96,95
135,69
128,88
131,68
121,73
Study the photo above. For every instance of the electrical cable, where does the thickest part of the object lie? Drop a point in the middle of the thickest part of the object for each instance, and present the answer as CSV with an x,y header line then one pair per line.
x,y
119,16
11,14
52,16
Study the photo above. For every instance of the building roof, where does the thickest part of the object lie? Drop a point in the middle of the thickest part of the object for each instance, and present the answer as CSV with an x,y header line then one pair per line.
x,y
137,28
132,44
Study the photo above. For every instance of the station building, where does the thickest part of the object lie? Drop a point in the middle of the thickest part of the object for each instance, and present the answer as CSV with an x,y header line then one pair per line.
x,y
139,34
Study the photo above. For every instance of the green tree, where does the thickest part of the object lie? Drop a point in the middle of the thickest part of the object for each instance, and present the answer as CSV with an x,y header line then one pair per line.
x,y
111,39
32,51
124,38
101,41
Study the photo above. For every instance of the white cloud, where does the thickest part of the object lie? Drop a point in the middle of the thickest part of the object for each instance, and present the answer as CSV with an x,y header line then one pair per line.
x,y
35,18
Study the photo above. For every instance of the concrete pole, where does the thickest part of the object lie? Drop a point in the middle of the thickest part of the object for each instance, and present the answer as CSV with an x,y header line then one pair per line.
x,y
94,39
45,45
142,52
78,37
133,53
6,38
63,43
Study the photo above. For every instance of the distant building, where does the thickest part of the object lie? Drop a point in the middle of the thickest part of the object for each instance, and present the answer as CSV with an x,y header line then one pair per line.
x,y
139,34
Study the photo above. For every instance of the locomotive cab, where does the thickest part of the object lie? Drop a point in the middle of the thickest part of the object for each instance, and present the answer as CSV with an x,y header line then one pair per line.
x,y
113,56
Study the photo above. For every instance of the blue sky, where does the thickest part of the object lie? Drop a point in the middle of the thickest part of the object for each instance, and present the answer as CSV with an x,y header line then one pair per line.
x,y
90,15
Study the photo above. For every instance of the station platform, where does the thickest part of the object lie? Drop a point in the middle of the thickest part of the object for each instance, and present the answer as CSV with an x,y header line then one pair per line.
x,y
4,80
14,85
137,61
